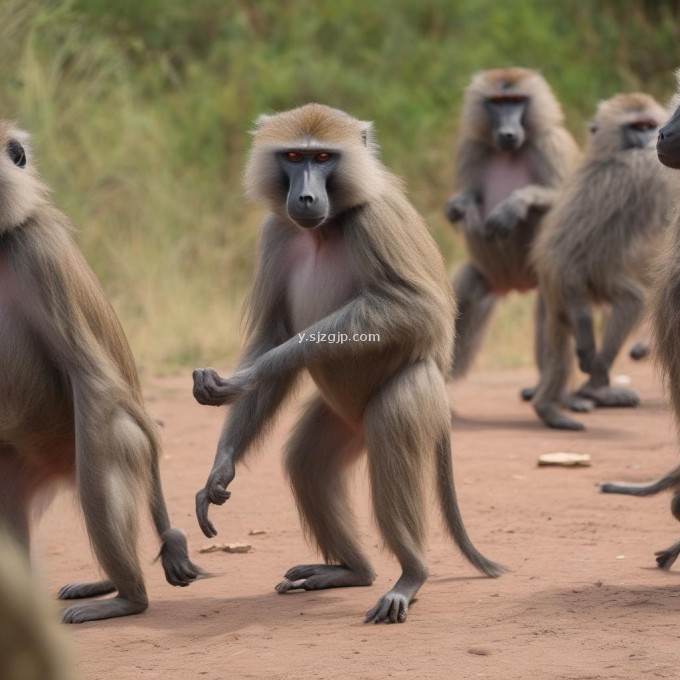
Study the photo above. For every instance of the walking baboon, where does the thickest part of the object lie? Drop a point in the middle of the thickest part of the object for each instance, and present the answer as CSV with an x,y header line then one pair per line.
x,y
595,249
31,644
513,154
665,307
343,253
70,402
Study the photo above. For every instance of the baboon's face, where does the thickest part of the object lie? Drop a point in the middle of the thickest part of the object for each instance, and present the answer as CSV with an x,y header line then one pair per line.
x,y
506,116
668,142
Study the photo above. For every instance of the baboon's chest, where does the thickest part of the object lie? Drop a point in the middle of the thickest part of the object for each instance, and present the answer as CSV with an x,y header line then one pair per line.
x,y
322,277
503,174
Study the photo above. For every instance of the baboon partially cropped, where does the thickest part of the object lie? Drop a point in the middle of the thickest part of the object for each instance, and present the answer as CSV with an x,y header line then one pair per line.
x,y
70,402
596,248
31,643
513,154
665,306
343,253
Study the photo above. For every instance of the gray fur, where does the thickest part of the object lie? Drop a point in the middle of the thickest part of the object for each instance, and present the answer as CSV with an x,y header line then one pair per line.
x,y
595,248
371,267
70,402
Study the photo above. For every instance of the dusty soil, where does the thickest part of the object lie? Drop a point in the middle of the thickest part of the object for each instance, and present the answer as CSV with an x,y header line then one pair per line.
x,y
583,599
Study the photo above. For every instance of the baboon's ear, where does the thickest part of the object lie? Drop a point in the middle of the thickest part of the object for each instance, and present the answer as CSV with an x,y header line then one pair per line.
x,y
259,121
367,134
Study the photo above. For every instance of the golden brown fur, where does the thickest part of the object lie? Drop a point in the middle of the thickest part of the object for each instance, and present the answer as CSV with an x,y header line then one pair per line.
x,y
70,402
370,267
31,645
501,196
595,248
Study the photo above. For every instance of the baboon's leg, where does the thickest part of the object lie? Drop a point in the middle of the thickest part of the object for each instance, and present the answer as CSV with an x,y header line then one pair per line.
x,y
475,304
401,439
174,553
14,487
624,316
581,319
569,400
528,393
556,368
106,482
319,453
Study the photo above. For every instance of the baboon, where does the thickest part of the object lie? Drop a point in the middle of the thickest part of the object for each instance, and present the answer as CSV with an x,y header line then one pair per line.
x,y
343,253
31,644
513,154
70,402
665,312
595,248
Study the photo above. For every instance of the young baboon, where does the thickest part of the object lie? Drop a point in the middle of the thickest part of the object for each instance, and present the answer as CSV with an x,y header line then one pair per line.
x,y
31,643
343,253
512,156
595,249
665,308
70,402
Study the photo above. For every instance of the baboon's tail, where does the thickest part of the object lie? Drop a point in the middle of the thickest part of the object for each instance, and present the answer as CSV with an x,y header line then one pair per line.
x,y
451,512
668,481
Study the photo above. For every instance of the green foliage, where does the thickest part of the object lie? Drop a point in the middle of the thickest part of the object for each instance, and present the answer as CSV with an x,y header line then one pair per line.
x,y
140,109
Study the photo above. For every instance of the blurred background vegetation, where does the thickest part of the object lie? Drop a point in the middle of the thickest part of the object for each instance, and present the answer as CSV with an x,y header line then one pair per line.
x,y
139,111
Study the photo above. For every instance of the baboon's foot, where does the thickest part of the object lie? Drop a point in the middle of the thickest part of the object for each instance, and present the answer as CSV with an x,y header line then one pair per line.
x,y
610,397
392,607
321,576
666,558
555,419
579,404
174,554
106,609
75,591
527,393
639,351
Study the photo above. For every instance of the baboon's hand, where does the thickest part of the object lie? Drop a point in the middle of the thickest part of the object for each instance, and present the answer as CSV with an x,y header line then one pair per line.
x,y
503,220
456,208
212,390
215,492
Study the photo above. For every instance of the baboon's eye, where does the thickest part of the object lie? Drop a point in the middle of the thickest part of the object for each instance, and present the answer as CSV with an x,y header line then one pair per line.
x,y
294,156
508,99
643,125
593,128
322,157
16,153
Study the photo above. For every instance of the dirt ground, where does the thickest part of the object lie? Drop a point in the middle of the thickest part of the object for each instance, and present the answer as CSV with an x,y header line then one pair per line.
x,y
583,599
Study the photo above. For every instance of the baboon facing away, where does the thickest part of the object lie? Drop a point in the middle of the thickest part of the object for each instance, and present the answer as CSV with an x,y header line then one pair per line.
x,y
70,402
343,253
595,249
665,312
513,154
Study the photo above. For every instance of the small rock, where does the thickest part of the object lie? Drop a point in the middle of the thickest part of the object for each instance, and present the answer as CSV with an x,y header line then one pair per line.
x,y
256,532
564,459
598,583
479,651
620,557
227,547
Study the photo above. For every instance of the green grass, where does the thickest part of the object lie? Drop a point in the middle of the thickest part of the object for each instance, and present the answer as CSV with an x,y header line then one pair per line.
x,y
140,114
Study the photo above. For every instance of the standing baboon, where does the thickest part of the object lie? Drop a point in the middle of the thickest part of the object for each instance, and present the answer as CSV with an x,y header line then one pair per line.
x,y
31,643
665,306
343,253
513,154
70,402
595,248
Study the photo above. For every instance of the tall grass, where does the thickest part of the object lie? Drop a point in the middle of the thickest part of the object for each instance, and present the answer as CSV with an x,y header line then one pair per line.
x,y
140,111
